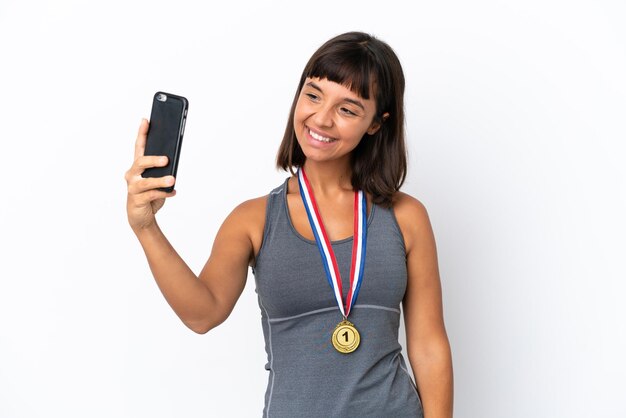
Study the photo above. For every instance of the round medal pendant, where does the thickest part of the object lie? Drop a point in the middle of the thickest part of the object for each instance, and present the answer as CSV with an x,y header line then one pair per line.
x,y
345,337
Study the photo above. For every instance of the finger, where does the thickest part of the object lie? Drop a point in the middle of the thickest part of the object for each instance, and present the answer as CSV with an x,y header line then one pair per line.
x,y
144,185
148,161
140,142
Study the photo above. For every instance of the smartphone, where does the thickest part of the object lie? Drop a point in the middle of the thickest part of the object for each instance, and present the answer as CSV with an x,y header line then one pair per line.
x,y
165,133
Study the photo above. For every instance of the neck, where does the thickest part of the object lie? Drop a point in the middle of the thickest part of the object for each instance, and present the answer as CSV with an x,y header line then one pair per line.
x,y
329,177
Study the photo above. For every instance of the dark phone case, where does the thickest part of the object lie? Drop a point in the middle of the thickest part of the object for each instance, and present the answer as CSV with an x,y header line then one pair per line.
x,y
165,134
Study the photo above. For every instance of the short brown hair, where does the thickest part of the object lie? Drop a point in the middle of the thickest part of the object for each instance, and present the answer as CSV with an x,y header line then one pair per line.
x,y
364,64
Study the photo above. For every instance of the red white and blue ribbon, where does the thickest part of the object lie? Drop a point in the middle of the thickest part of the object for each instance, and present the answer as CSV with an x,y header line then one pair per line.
x,y
326,250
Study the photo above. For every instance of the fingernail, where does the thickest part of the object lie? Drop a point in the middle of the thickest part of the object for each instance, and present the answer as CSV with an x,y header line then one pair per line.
x,y
163,160
170,180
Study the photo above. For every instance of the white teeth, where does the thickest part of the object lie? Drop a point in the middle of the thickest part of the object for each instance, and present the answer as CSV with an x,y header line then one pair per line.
x,y
320,137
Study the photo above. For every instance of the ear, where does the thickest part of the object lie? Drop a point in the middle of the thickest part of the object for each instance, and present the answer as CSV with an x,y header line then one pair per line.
x,y
375,126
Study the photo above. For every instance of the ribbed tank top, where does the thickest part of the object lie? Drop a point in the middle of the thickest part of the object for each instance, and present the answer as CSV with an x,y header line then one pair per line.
x,y
307,376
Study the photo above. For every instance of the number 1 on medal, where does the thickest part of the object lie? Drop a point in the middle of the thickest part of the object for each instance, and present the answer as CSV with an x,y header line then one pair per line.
x,y
345,338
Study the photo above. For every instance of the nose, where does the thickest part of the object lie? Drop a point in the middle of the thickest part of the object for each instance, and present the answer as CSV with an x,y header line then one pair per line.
x,y
324,117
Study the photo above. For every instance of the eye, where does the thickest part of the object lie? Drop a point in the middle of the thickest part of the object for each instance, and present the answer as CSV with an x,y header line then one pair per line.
x,y
347,111
312,96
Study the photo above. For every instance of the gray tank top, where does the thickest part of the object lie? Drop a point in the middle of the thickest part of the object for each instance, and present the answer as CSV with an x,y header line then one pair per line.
x,y
307,376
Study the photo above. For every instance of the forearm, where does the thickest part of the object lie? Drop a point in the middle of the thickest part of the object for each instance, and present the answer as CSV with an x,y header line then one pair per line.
x,y
432,368
190,298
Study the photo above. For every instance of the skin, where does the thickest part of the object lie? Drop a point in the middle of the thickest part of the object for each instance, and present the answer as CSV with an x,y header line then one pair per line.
x,y
202,302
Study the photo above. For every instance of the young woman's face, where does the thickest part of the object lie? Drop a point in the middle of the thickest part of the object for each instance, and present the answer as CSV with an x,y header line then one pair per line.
x,y
330,120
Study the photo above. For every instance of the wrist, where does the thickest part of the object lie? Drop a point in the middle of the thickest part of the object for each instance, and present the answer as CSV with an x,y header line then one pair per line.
x,y
145,230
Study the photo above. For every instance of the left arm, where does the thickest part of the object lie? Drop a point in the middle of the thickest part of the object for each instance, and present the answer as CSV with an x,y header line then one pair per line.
x,y
427,342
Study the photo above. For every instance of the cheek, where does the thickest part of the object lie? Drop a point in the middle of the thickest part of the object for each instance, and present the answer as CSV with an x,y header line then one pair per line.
x,y
299,116
300,112
352,130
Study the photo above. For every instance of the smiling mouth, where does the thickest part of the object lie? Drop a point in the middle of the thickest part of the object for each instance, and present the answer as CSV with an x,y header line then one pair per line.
x,y
321,138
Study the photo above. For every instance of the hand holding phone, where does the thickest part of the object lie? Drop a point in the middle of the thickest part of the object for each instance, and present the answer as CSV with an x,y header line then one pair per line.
x,y
157,149
165,134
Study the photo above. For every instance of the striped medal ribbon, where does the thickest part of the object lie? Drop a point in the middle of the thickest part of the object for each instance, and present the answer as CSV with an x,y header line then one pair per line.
x,y
345,337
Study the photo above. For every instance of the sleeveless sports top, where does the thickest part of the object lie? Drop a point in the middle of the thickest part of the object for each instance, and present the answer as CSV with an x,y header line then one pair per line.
x,y
307,376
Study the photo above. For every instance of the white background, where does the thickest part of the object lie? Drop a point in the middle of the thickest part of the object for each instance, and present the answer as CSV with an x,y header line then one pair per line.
x,y
515,118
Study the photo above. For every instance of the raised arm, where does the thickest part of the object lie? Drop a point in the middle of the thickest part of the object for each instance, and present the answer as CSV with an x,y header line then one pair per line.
x,y
427,342
200,302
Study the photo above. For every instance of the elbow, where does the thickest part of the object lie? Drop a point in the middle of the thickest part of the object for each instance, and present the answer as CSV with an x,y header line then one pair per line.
x,y
205,321
203,326
436,350
199,329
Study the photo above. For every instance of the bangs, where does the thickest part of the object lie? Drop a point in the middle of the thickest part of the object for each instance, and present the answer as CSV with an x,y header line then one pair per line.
x,y
348,66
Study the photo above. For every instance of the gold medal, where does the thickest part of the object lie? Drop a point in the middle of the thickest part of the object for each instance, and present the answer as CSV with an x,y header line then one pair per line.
x,y
345,338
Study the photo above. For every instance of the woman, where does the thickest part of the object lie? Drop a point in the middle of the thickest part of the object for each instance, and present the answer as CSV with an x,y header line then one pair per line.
x,y
335,249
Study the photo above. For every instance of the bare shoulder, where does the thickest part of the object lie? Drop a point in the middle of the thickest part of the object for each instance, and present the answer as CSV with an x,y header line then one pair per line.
x,y
252,208
412,218
249,218
250,214
410,211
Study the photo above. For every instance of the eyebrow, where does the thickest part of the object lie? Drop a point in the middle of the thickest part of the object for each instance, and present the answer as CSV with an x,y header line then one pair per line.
x,y
345,99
